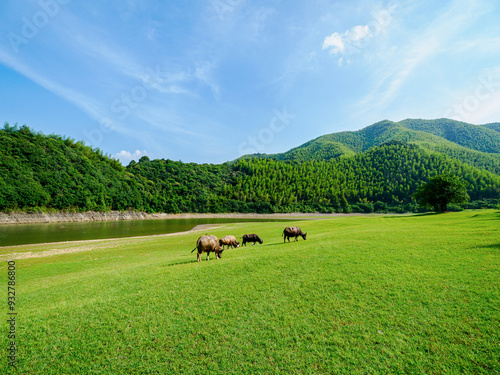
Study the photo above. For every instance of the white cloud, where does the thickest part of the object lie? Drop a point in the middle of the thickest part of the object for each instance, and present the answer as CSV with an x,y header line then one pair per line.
x,y
335,42
358,33
349,42
126,157
357,38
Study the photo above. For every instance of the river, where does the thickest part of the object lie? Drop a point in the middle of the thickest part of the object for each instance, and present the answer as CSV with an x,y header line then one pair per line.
x,y
25,234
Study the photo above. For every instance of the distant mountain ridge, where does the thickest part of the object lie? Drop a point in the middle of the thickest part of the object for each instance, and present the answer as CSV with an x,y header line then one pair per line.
x,y
476,145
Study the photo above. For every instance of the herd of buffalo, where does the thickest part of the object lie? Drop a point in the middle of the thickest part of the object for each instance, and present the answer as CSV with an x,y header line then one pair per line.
x,y
209,243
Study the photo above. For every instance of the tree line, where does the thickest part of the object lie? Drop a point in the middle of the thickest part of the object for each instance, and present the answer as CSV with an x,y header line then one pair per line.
x,y
57,173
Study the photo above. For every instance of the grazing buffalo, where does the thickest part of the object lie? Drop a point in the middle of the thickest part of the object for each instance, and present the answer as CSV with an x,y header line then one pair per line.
x,y
251,238
207,244
293,232
229,241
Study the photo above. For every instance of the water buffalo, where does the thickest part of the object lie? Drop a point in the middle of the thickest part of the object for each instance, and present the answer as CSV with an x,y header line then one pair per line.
x,y
229,241
251,238
208,244
293,232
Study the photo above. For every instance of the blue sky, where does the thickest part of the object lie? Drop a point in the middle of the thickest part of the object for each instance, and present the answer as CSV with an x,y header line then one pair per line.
x,y
208,81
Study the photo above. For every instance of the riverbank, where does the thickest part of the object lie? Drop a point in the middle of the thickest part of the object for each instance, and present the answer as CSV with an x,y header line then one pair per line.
x,y
67,217
26,251
52,230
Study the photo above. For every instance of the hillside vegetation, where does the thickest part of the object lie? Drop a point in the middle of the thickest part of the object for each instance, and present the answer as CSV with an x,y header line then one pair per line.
x,y
59,173
494,126
350,171
478,146
389,173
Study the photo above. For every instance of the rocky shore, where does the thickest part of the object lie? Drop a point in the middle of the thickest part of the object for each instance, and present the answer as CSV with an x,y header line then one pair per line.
x,y
40,217
57,217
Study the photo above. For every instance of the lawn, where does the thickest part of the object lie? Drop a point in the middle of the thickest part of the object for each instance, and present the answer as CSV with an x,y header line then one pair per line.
x,y
363,294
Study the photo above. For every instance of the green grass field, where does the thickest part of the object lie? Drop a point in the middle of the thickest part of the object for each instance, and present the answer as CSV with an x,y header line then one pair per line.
x,y
363,295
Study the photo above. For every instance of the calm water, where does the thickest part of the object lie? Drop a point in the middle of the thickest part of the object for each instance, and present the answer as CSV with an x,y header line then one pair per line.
x,y
23,234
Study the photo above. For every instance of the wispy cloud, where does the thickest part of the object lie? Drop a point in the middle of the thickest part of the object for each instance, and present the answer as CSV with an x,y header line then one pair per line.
x,y
113,72
396,76
479,102
172,77
87,104
104,52
357,39
398,67
347,41
478,45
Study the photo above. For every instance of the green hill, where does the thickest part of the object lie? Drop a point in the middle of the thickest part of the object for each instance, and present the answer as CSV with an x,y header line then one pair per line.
x,y
479,138
494,126
58,173
389,173
478,146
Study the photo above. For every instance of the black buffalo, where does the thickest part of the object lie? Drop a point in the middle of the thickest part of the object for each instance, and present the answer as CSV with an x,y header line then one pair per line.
x,y
293,232
251,238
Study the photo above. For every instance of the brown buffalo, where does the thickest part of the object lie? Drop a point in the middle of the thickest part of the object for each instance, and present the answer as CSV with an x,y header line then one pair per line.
x,y
229,241
207,244
293,232
251,238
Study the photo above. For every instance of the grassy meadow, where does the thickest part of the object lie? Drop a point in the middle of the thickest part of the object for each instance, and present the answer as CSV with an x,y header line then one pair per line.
x,y
362,295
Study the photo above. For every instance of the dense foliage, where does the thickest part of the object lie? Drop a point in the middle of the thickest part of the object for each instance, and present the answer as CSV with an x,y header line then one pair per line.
x,y
387,175
494,126
52,172
480,138
188,187
59,173
440,191
478,146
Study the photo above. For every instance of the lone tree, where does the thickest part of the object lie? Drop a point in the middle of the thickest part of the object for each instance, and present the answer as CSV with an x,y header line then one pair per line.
x,y
442,190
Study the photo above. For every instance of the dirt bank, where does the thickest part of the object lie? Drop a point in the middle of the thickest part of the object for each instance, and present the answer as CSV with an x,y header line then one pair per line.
x,y
39,217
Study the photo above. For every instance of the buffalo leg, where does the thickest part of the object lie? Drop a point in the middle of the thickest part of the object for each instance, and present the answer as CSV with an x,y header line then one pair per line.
x,y
199,257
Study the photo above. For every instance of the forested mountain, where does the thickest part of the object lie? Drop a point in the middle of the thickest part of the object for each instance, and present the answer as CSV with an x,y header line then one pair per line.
x,y
188,187
475,145
53,172
59,173
495,126
389,173
479,138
